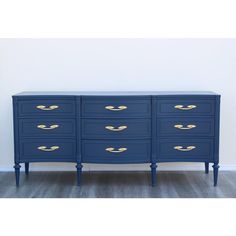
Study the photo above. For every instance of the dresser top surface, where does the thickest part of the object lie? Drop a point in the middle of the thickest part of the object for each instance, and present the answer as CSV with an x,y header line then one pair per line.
x,y
114,93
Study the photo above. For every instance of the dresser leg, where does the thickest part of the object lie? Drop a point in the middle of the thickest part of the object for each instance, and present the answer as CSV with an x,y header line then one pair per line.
x,y
27,168
154,174
215,170
206,167
17,173
79,172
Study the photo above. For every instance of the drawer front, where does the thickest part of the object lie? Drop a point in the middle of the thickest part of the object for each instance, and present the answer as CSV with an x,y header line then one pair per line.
x,y
116,107
112,128
185,149
185,107
45,107
107,151
47,127
48,149
185,127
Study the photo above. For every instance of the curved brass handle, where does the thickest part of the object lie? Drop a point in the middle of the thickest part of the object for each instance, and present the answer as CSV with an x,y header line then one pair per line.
x,y
187,149
189,107
50,108
187,127
47,128
45,149
120,128
111,149
119,108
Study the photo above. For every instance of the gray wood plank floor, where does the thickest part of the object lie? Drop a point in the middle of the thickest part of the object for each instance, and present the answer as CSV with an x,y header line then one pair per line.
x,y
188,184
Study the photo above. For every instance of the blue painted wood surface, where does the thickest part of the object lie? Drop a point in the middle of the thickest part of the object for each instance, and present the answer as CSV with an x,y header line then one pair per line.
x,y
94,151
204,126
94,107
134,128
150,135
63,127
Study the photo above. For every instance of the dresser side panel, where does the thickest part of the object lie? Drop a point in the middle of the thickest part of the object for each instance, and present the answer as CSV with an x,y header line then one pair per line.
x,y
217,129
78,130
16,129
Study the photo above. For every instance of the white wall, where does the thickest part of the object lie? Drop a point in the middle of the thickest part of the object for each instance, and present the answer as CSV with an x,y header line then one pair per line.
x,y
119,64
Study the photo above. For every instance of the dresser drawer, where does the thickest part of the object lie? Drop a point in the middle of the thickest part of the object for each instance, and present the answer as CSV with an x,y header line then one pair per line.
x,y
46,107
47,127
185,127
116,107
107,151
48,150
185,107
117,129
180,149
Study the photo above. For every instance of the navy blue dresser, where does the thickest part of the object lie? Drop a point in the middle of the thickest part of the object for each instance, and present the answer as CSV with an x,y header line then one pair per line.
x,y
116,128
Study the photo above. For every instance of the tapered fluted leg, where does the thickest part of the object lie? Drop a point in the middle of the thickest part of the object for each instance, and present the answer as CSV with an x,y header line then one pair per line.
x,y
27,168
79,172
154,174
206,167
17,173
215,171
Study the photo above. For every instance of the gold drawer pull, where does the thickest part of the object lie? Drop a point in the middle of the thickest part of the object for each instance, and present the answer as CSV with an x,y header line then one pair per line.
x,y
120,128
187,127
180,148
47,128
189,107
45,149
111,149
119,108
50,108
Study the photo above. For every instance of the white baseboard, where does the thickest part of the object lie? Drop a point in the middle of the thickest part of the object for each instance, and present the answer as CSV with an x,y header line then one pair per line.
x,y
135,167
